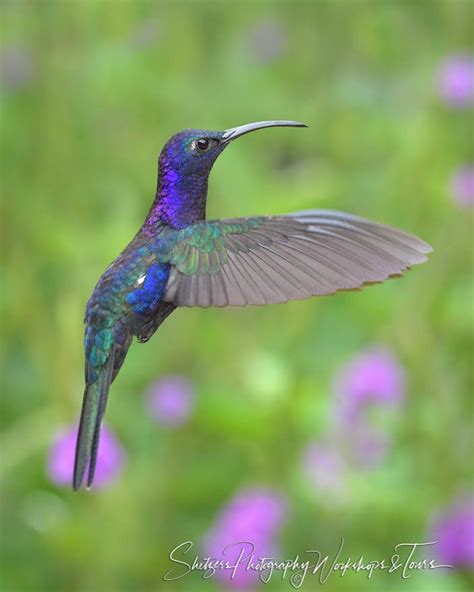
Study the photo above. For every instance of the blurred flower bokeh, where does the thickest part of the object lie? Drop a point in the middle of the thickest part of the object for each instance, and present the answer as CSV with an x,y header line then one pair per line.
x,y
268,40
246,531
16,68
171,400
373,377
462,186
456,81
453,531
324,466
110,458
353,413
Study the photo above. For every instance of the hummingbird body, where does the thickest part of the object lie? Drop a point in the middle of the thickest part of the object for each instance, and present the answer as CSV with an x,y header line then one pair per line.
x,y
177,258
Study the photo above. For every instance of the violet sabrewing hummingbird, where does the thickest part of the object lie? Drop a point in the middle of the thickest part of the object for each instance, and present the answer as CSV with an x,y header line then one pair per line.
x,y
178,258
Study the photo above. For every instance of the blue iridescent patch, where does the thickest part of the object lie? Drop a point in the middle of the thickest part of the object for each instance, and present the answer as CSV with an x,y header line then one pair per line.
x,y
145,298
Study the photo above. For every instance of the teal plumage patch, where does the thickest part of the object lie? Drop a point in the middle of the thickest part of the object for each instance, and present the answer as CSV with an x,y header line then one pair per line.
x,y
201,248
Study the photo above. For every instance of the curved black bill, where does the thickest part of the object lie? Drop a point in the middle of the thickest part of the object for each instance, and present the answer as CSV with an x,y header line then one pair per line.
x,y
236,132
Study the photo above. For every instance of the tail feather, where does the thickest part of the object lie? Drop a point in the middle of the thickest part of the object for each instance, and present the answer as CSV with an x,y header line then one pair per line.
x,y
93,409
102,406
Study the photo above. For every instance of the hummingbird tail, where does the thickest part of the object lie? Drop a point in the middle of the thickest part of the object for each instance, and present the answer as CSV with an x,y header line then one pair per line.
x,y
93,409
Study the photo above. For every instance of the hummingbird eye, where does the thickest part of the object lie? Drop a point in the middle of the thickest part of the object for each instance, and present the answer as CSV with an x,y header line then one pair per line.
x,y
204,144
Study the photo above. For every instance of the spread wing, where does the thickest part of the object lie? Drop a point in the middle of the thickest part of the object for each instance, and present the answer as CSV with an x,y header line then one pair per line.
x,y
279,258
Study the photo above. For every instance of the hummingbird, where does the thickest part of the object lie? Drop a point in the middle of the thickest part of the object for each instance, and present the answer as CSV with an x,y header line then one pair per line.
x,y
178,258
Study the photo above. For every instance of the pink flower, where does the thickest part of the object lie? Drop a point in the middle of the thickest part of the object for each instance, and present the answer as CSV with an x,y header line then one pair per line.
x,y
462,186
110,458
324,466
453,529
171,400
16,68
268,40
246,528
456,81
374,376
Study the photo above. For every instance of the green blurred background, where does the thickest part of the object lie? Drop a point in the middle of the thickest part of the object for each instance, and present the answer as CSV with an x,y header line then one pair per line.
x,y
94,90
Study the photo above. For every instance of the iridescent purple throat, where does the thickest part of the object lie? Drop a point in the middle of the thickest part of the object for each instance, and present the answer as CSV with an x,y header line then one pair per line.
x,y
180,199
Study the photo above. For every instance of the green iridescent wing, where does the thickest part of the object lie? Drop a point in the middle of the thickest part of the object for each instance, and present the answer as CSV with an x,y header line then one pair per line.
x,y
264,260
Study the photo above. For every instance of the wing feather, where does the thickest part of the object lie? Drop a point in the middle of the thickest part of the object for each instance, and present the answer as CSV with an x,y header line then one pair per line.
x,y
279,258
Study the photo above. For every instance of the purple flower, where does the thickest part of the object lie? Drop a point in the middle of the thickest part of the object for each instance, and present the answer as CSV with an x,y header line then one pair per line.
x,y
171,400
375,376
245,531
453,529
366,446
456,81
146,34
16,68
268,40
324,466
462,186
110,458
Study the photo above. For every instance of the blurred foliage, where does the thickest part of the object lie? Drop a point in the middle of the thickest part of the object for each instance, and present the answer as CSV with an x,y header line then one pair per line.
x,y
98,87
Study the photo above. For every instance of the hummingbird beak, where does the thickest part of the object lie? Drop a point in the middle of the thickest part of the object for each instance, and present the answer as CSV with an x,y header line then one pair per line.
x,y
236,132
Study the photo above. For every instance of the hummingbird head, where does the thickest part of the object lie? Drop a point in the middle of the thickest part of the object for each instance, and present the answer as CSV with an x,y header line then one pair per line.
x,y
191,153
194,151
184,166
